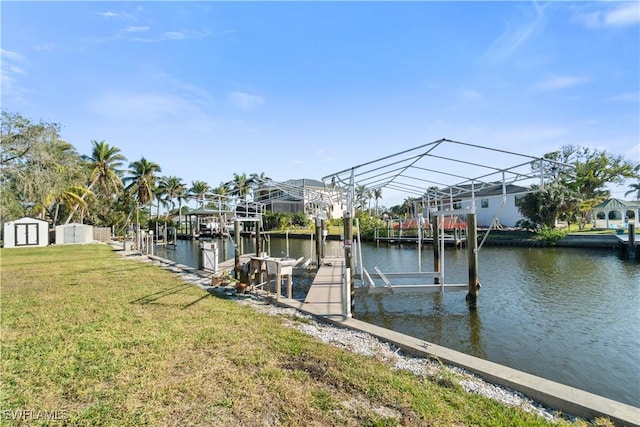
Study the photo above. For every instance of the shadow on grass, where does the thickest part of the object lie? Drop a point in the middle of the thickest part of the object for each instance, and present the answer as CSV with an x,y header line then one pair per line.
x,y
154,298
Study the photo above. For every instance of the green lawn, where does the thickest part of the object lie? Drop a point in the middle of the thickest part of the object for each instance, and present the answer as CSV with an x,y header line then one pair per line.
x,y
89,338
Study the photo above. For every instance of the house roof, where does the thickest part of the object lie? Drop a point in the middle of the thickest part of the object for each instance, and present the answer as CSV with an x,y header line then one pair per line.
x,y
480,190
615,203
27,219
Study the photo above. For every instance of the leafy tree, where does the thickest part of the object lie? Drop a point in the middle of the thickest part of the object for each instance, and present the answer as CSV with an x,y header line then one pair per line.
x,y
40,170
544,207
18,135
593,170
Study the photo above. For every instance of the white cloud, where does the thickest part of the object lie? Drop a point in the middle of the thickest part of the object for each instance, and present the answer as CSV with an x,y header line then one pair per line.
x,y
625,15
11,73
10,55
144,107
626,97
620,14
174,35
560,82
244,101
133,29
108,14
513,36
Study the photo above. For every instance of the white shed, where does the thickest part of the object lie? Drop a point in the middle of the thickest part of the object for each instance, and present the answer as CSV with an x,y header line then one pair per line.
x,y
26,232
74,233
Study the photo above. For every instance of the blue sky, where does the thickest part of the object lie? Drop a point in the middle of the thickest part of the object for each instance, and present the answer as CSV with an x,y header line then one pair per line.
x,y
305,89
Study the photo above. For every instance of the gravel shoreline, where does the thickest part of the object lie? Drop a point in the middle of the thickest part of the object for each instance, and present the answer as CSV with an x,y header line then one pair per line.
x,y
368,345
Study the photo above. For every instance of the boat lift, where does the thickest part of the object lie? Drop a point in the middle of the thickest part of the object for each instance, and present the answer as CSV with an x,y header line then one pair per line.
x,y
435,173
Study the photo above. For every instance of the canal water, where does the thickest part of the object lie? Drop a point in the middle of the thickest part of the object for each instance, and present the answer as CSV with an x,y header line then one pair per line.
x,y
570,315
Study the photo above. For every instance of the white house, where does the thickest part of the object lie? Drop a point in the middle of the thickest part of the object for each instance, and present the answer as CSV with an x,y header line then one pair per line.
x,y
491,206
74,233
25,232
299,195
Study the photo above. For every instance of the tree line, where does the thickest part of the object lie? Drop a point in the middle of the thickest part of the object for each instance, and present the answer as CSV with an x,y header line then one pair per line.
x,y
43,176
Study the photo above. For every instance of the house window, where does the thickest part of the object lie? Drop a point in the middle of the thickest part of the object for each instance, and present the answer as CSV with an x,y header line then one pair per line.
x,y
601,215
518,200
484,203
457,205
631,214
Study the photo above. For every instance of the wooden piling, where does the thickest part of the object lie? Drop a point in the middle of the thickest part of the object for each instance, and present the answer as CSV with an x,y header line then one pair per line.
x,y
348,254
319,255
632,241
435,226
236,250
472,251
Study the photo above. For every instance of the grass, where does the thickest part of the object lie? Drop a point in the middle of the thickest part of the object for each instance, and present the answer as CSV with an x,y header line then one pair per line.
x,y
89,338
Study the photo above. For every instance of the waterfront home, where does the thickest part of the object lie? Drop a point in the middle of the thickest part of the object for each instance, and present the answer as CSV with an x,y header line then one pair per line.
x,y
493,204
299,195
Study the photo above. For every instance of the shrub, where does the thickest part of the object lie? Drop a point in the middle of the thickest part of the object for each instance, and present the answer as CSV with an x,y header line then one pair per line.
x,y
551,235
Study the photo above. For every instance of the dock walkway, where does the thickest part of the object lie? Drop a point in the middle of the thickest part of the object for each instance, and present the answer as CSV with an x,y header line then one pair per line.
x,y
325,295
229,265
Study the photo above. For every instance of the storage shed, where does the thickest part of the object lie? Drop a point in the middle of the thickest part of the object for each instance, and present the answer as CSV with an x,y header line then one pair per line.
x,y
26,232
74,233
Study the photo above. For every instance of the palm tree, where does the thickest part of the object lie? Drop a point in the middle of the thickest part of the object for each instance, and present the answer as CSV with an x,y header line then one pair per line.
x,y
241,185
634,188
361,191
377,194
173,188
198,190
142,179
104,162
255,181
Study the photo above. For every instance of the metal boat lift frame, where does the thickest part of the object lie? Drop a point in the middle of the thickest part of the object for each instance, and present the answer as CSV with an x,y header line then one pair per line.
x,y
435,173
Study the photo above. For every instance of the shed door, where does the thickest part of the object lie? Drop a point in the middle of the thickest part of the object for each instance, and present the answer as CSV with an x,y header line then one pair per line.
x,y
27,234
69,234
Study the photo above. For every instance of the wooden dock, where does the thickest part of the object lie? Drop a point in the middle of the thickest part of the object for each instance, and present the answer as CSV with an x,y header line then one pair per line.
x,y
229,264
325,295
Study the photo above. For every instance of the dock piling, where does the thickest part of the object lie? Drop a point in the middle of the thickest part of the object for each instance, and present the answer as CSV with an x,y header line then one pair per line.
x,y
472,251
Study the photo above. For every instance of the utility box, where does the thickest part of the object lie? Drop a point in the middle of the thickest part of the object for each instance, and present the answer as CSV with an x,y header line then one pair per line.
x,y
208,259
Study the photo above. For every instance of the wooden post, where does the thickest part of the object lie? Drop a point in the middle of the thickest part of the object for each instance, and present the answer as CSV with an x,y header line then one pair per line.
x,y
278,282
436,247
472,248
258,239
632,241
318,242
348,254
236,250
324,232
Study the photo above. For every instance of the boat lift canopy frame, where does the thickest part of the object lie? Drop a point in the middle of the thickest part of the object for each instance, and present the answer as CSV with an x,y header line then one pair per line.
x,y
436,173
